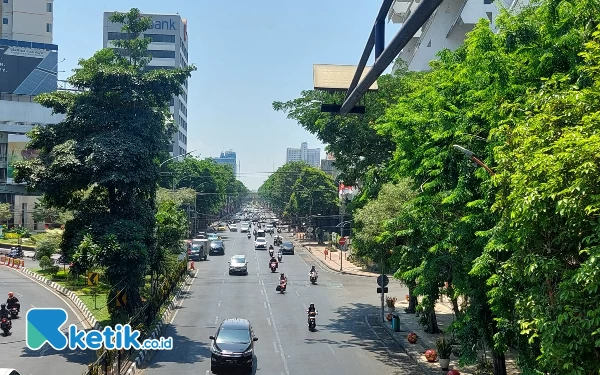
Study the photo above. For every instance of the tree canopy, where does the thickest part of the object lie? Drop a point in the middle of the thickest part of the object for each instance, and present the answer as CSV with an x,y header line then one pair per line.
x,y
516,252
102,161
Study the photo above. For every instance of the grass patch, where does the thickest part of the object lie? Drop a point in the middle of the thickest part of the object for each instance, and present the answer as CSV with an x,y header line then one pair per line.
x,y
85,293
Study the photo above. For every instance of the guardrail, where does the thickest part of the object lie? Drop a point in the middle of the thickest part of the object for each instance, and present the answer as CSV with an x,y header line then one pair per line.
x,y
12,262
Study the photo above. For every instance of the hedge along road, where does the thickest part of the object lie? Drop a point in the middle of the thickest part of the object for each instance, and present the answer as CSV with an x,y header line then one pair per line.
x,y
13,349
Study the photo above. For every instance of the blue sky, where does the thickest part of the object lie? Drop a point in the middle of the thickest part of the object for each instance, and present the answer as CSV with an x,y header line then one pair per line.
x,y
248,54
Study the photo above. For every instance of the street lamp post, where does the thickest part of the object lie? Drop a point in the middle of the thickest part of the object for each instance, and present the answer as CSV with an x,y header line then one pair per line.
x,y
173,158
470,155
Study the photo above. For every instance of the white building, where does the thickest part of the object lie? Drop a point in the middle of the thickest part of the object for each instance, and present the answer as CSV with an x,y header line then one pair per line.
x,y
327,166
169,50
447,27
27,20
28,67
311,156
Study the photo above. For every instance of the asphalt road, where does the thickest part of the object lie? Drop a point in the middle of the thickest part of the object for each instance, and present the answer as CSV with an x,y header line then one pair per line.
x,y
13,350
343,344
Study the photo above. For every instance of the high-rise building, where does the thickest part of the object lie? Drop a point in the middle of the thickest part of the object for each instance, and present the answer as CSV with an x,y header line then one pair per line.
x,y
28,67
311,156
447,27
27,20
169,50
228,158
327,166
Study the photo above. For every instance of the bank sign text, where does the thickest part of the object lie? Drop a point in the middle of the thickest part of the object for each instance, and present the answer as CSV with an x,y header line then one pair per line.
x,y
164,25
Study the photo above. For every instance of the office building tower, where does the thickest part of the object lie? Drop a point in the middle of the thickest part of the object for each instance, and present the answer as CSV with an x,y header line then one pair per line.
x,y
228,158
311,156
169,50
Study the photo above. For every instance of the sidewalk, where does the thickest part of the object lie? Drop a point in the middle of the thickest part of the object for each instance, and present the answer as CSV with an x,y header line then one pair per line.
x,y
332,259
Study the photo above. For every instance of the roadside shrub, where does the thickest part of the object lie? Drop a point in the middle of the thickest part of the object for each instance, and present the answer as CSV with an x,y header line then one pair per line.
x,y
45,263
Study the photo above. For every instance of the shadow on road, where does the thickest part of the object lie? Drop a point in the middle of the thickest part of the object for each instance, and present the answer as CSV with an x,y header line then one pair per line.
x,y
82,357
350,321
184,350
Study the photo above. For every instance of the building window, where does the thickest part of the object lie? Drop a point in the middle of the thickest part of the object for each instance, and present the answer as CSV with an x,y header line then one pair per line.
x,y
48,7
488,1
161,54
160,38
113,35
5,21
48,27
5,1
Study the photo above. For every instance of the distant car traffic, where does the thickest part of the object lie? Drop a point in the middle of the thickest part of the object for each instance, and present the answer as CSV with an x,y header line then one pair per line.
x,y
238,264
260,243
232,228
233,345
287,248
244,227
217,247
221,227
213,237
195,252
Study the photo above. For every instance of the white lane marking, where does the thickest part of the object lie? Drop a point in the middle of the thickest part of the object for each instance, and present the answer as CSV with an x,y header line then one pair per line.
x,y
224,274
330,348
285,364
378,338
180,302
262,293
305,307
216,319
223,281
275,346
32,306
298,294
207,372
269,321
219,304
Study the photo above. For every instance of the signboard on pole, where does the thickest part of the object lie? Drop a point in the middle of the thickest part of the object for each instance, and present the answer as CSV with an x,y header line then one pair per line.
x,y
342,241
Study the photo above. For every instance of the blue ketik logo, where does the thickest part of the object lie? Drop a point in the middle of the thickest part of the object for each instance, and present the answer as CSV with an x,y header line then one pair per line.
x,y
43,326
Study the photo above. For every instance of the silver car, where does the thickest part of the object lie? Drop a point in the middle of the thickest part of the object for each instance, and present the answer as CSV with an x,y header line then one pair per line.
x,y
238,265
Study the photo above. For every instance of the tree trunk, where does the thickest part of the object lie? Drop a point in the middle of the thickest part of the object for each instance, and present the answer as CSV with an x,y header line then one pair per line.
x,y
455,307
432,326
412,300
499,362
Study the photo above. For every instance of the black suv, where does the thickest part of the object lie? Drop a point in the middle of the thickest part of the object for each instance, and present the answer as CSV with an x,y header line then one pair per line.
x,y
287,248
233,345
217,247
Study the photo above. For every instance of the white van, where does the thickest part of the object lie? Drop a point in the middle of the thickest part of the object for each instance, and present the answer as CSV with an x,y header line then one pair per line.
x,y
261,233
199,249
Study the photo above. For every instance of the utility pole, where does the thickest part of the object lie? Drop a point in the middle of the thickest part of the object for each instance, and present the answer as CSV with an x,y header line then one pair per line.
x,y
342,211
382,294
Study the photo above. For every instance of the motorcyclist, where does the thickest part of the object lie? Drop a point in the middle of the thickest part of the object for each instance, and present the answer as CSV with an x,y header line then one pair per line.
x,y
13,301
312,269
273,260
4,313
311,309
271,250
282,279
280,254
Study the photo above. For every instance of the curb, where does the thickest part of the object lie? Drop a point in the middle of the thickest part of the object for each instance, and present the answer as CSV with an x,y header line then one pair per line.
x,y
416,351
331,268
158,330
87,314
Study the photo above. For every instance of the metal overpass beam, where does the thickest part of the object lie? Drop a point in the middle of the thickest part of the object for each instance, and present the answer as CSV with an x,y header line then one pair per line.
x,y
379,23
410,28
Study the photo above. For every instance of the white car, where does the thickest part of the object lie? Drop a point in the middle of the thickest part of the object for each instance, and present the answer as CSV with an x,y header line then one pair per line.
x,y
238,264
244,228
260,243
8,371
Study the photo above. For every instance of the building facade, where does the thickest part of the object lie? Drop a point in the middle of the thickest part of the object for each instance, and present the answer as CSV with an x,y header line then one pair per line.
x,y
447,27
28,67
228,158
27,20
169,50
327,166
311,156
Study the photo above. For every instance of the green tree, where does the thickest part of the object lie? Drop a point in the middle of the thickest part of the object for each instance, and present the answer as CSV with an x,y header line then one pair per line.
x,y
5,212
101,162
313,193
46,214
278,188
49,244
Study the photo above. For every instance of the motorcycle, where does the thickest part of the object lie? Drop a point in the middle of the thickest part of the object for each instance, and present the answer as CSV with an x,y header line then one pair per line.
x,y
313,277
249,236
271,252
14,313
312,321
280,256
281,287
5,325
278,230
273,267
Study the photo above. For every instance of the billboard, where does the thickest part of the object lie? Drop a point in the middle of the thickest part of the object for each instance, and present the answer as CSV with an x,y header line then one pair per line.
x,y
17,150
28,68
337,77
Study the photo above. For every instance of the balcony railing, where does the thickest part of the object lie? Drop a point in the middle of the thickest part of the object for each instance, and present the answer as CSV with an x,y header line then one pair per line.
x,y
424,30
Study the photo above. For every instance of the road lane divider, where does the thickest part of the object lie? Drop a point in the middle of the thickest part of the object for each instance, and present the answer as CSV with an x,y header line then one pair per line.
x,y
285,364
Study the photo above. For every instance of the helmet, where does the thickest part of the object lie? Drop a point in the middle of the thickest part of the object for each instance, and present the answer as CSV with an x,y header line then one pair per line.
x,y
10,295
312,305
3,306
